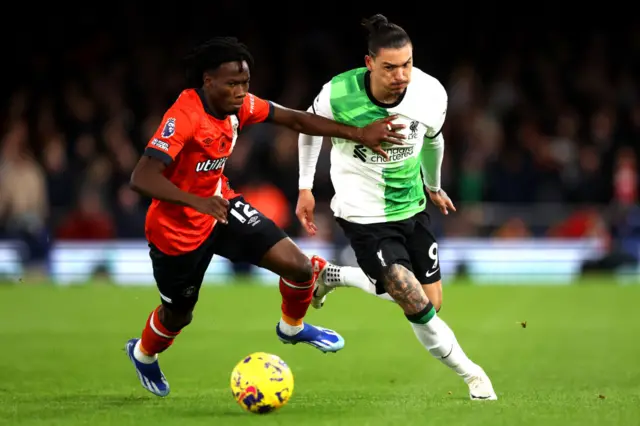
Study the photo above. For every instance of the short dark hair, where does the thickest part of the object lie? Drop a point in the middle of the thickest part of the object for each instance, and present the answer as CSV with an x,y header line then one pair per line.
x,y
209,55
384,34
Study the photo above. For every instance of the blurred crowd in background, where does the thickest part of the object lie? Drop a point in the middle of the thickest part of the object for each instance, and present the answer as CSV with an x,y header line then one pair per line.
x,y
542,133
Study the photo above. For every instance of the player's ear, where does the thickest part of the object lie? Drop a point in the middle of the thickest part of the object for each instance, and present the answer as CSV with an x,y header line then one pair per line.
x,y
207,78
368,61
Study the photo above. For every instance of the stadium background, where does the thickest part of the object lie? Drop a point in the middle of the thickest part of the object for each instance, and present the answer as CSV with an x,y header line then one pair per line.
x,y
543,101
542,135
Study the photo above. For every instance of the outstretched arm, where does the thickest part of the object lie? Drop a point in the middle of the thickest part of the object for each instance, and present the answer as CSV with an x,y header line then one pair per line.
x,y
315,125
256,110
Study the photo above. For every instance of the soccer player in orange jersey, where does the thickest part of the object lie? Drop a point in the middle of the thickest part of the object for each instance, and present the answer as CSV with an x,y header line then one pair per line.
x,y
195,214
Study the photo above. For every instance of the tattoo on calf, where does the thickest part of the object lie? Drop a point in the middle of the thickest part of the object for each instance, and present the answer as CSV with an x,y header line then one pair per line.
x,y
405,289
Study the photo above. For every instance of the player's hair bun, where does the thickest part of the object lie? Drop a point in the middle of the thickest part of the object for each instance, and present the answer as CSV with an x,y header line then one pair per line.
x,y
384,34
375,23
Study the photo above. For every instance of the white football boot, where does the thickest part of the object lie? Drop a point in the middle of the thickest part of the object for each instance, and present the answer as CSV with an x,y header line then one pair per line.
x,y
321,289
480,387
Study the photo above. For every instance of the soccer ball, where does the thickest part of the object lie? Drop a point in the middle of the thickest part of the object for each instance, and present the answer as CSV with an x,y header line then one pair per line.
x,y
261,383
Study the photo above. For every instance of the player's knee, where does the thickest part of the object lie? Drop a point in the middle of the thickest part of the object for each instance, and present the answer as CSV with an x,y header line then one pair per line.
x,y
436,301
286,260
298,269
434,294
176,318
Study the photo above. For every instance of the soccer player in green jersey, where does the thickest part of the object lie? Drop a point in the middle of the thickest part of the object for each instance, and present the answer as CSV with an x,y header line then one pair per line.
x,y
380,197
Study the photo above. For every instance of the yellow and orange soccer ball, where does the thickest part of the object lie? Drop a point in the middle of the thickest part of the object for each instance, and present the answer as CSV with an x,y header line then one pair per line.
x,y
261,383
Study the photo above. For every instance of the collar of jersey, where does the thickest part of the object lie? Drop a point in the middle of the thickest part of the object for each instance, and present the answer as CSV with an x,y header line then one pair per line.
x,y
203,100
367,87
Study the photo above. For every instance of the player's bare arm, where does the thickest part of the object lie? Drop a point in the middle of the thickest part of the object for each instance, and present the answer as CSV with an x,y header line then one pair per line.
x,y
372,135
147,179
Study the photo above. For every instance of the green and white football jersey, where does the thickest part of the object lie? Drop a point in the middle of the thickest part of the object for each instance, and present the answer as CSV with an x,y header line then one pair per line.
x,y
369,188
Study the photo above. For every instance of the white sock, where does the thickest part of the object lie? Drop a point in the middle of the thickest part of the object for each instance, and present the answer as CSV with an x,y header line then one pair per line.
x,y
288,329
439,340
348,276
142,357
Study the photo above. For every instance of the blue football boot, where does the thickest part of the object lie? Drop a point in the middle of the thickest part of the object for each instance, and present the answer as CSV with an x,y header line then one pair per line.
x,y
320,338
150,375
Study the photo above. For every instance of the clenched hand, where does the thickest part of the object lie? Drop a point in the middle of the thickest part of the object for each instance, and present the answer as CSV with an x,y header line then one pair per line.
x,y
215,206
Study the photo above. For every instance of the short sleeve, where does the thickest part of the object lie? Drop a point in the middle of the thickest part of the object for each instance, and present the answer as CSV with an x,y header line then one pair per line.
x,y
322,103
170,137
254,110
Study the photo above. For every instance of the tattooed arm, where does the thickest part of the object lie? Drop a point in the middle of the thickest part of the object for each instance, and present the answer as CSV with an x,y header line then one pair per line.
x,y
405,289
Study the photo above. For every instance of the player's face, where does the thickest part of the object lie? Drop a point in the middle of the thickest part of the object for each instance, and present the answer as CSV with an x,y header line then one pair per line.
x,y
228,86
391,68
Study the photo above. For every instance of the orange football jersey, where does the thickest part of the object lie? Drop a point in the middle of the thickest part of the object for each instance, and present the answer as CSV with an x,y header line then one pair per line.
x,y
195,147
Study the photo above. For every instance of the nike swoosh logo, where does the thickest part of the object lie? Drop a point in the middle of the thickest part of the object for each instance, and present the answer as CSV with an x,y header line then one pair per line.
x,y
431,274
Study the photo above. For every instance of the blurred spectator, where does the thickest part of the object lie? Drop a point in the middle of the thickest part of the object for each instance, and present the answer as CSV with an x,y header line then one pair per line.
x,y
129,214
532,119
23,194
270,200
88,221
626,177
59,177
584,223
514,228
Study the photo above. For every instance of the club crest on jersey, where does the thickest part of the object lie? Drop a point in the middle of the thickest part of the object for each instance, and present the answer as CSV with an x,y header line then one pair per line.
x,y
224,144
413,128
169,128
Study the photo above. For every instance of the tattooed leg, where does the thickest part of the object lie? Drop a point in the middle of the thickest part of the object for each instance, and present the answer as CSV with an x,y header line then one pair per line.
x,y
405,289
432,332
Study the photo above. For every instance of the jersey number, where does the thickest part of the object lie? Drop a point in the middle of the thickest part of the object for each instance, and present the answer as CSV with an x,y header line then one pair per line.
x,y
242,211
433,255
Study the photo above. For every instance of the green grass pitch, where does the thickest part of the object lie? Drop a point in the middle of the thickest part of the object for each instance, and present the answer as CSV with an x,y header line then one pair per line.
x,y
577,362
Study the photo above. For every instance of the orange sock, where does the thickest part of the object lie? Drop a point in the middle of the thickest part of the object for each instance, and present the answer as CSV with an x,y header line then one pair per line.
x,y
155,337
291,321
296,298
